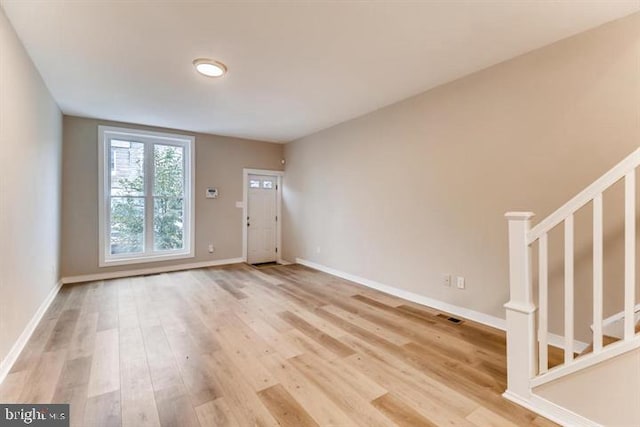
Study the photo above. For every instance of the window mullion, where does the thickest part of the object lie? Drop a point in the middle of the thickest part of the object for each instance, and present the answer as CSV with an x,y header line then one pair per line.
x,y
148,191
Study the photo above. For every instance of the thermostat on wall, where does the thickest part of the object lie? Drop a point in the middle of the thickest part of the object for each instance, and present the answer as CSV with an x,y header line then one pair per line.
x,y
212,193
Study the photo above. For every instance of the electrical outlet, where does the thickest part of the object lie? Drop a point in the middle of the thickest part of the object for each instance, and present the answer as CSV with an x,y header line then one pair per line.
x,y
446,280
460,282
211,249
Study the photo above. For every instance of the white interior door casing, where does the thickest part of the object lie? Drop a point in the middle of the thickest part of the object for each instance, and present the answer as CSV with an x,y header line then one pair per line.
x,y
261,218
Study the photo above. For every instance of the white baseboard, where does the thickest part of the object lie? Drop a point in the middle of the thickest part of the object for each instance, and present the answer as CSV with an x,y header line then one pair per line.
x,y
153,270
551,411
476,316
18,346
486,319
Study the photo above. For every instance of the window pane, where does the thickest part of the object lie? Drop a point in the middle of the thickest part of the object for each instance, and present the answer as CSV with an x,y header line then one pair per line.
x,y
254,183
267,184
168,177
127,168
126,232
168,220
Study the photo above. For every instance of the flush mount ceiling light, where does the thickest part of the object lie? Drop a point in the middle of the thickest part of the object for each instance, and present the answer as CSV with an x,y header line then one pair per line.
x,y
209,67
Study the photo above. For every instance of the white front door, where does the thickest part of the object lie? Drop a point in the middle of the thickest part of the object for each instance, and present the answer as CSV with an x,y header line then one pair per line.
x,y
261,219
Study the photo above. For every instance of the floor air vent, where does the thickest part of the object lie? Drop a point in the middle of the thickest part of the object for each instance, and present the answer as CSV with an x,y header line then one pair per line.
x,y
450,319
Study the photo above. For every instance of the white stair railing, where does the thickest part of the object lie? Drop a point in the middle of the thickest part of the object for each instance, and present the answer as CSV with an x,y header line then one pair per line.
x,y
527,342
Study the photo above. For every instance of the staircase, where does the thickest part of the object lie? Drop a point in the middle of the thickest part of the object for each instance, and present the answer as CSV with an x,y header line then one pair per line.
x,y
528,314
612,335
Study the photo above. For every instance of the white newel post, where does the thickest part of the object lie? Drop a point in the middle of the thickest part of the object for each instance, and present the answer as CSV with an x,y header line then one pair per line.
x,y
521,340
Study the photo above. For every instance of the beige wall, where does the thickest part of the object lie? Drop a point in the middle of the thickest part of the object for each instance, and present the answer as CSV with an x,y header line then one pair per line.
x,y
30,161
219,163
607,393
418,189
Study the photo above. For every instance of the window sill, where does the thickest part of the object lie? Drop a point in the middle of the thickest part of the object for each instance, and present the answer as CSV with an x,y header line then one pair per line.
x,y
146,259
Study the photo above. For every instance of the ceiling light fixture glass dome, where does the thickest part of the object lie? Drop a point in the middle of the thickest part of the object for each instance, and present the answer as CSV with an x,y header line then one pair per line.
x,y
209,67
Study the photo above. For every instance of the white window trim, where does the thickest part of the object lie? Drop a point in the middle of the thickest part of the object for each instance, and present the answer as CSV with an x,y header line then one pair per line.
x,y
105,132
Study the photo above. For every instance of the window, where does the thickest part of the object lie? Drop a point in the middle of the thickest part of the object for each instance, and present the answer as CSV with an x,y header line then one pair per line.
x,y
254,183
267,184
146,196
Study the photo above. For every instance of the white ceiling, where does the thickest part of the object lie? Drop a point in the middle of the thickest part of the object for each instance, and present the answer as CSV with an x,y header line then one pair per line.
x,y
295,67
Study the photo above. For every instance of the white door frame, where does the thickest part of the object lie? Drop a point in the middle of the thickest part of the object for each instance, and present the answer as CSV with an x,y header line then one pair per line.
x,y
245,205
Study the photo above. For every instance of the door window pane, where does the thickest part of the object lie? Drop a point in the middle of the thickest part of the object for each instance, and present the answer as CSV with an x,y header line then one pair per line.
x,y
168,223
168,179
126,230
126,168
267,184
254,183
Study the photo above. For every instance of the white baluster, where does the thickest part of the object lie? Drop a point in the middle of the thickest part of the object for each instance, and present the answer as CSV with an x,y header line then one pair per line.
x,y
543,303
597,273
629,253
568,289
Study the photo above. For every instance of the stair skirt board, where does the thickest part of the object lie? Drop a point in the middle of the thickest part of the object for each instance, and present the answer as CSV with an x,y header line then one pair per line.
x,y
609,352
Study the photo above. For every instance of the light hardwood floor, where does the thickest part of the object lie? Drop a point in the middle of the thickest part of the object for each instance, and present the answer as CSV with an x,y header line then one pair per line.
x,y
242,346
